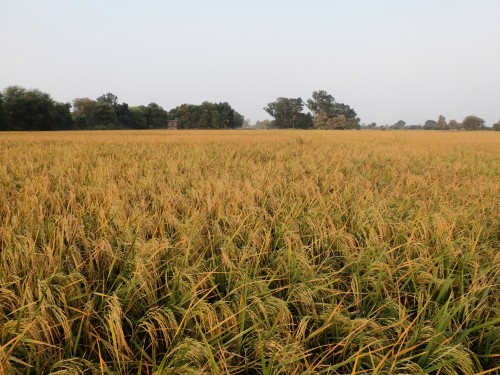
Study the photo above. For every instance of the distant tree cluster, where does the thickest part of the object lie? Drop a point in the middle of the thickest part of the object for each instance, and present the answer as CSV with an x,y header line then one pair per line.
x,y
468,123
106,113
326,113
22,109
207,116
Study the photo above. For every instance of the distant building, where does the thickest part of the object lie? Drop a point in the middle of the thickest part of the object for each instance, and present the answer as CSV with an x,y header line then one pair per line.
x,y
172,124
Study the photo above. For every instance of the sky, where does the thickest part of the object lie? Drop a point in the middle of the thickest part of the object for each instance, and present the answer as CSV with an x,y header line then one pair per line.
x,y
390,60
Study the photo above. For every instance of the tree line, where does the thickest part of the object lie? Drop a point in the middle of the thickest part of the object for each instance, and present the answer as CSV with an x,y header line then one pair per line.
x,y
327,113
470,122
23,109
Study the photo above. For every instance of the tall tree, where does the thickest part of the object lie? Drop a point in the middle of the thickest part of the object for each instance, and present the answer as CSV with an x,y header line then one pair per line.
x,y
123,115
84,112
441,123
328,114
286,111
105,116
321,102
156,116
473,123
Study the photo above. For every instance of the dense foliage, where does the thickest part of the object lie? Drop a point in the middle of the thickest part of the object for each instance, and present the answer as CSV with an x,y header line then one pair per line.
x,y
207,116
22,109
249,252
326,113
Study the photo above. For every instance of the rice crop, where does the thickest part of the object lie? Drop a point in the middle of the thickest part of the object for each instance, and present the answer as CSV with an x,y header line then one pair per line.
x,y
250,252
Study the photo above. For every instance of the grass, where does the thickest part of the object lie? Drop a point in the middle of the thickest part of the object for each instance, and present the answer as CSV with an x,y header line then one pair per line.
x,y
250,252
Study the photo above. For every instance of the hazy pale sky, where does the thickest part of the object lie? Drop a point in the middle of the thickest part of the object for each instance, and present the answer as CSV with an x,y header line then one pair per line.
x,y
390,60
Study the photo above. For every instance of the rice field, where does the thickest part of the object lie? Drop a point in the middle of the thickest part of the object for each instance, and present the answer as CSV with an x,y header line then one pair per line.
x,y
250,252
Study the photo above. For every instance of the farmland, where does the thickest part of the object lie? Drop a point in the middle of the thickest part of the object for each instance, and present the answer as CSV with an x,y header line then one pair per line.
x,y
252,252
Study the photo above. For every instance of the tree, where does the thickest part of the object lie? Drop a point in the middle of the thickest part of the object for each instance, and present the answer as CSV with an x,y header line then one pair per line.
x,y
430,125
323,121
321,102
4,119
137,116
84,112
228,118
344,109
156,116
286,111
496,126
206,116
328,114
441,123
473,123
453,124
184,115
61,116
352,124
104,116
399,125
238,120
34,110
108,98
304,121
123,115
91,114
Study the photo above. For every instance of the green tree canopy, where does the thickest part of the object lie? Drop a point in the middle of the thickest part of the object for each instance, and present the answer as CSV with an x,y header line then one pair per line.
x,y
287,112
206,116
156,116
108,98
93,114
321,102
329,114
32,110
